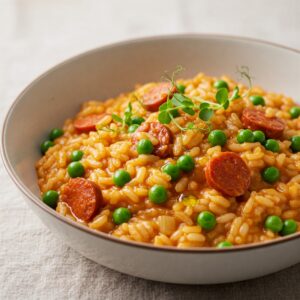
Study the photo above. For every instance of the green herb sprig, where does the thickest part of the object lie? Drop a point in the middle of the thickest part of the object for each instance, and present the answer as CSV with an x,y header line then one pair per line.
x,y
169,111
127,119
193,105
244,73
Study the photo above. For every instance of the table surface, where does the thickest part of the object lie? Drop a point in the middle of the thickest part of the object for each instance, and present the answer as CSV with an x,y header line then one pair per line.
x,y
38,34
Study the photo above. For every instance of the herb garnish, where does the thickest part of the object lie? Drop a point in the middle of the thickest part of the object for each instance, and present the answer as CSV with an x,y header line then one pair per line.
x,y
169,111
192,105
127,120
244,73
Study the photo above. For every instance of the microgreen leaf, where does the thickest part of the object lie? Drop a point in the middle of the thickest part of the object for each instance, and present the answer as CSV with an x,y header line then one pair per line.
x,y
129,108
127,118
180,88
222,96
188,103
175,101
117,118
189,110
205,114
226,104
128,114
164,117
169,104
175,113
235,94
204,105
163,106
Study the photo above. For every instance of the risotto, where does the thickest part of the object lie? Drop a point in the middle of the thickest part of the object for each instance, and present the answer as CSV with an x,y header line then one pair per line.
x,y
201,162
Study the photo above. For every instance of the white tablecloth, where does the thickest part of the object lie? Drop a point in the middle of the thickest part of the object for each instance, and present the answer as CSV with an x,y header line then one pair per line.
x,y
37,34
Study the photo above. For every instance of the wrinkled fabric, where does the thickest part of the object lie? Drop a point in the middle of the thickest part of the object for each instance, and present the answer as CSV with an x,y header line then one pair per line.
x,y
35,35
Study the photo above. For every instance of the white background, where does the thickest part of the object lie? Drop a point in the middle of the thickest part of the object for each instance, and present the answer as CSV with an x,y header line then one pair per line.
x,y
36,34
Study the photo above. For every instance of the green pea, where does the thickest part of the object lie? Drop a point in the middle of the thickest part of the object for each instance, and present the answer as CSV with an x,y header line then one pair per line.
x,y
295,112
132,128
76,155
45,146
217,137
50,198
75,169
172,170
121,215
158,194
144,146
245,136
186,163
55,133
220,84
289,227
206,220
180,88
295,146
258,100
272,145
224,244
259,136
270,174
121,177
137,120
273,223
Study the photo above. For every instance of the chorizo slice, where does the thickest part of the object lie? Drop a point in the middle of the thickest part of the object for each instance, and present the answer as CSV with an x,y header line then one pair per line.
x,y
83,197
255,119
87,123
158,95
228,174
161,133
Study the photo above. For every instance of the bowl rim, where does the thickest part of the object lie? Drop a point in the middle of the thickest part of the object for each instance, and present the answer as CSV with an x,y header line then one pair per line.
x,y
37,201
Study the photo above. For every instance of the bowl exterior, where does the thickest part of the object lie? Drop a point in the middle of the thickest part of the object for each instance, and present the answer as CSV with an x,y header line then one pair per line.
x,y
107,71
174,267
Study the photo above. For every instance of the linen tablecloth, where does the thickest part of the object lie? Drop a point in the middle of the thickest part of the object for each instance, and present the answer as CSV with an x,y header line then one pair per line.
x,y
38,34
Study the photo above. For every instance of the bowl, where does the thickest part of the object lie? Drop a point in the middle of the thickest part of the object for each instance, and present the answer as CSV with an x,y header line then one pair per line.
x,y
108,71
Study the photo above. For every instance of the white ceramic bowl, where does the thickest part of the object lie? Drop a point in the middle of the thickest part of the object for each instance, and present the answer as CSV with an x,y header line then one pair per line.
x,y
107,71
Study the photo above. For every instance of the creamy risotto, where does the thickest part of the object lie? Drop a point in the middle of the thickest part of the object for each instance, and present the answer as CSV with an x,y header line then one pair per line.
x,y
188,163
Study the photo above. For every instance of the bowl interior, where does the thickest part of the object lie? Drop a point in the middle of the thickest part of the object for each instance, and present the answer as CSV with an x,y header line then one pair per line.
x,y
108,71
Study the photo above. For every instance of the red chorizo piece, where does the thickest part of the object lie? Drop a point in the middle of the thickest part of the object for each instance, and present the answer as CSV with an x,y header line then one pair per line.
x,y
256,120
161,133
83,197
87,123
228,174
158,95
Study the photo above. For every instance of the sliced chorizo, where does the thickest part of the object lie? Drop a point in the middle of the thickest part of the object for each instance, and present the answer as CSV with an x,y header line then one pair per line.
x,y
158,95
161,133
256,120
229,174
83,197
87,123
